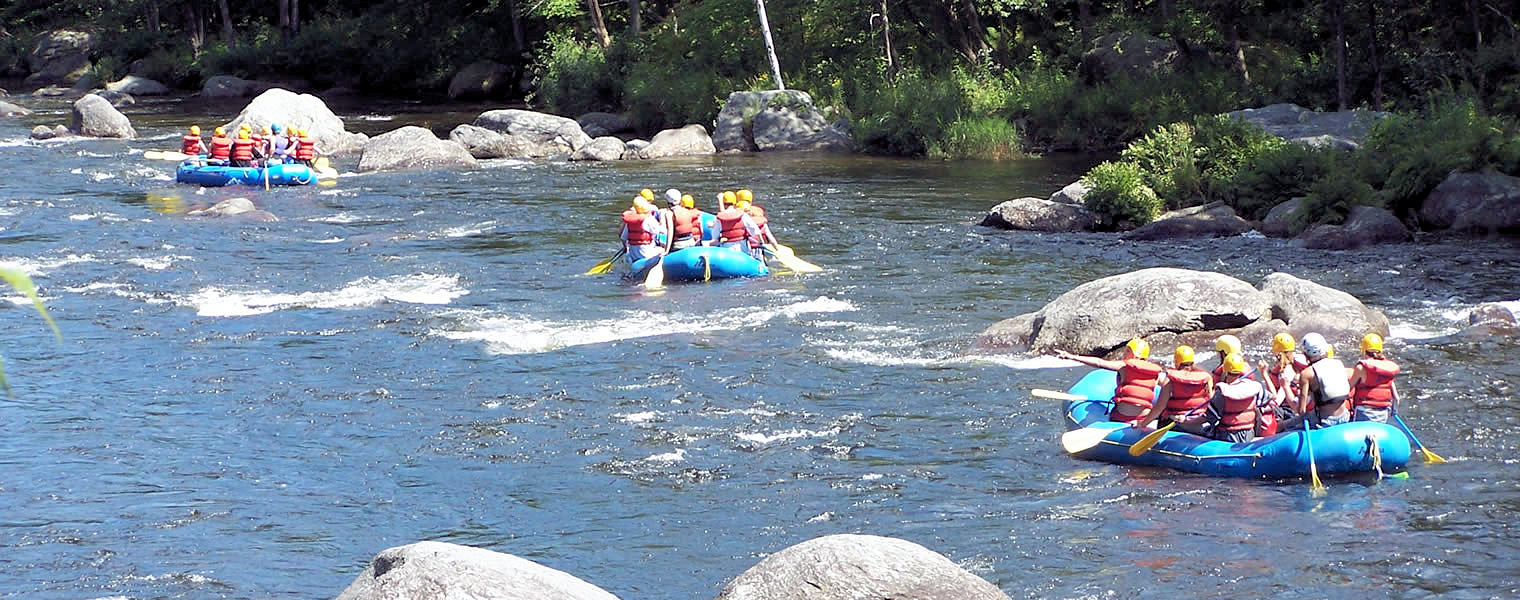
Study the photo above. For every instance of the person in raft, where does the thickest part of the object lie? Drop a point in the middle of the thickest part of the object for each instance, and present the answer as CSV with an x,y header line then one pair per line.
x,y
1372,390
221,147
735,227
1236,402
191,143
1281,377
747,204
641,232
1324,386
304,148
279,145
1225,345
244,153
1185,392
1135,392
685,220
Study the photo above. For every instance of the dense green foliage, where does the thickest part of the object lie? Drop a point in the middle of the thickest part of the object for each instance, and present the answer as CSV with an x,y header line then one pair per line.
x,y
1118,194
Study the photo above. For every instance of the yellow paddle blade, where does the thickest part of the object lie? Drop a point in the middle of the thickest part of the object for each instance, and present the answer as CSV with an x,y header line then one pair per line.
x,y
1150,439
1316,487
1431,457
1086,438
789,259
656,277
603,267
321,163
1054,395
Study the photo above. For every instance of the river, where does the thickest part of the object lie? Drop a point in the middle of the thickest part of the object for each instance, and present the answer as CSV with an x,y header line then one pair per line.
x,y
253,410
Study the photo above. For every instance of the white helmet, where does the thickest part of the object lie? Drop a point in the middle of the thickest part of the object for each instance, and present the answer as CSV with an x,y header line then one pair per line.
x,y
673,196
1315,346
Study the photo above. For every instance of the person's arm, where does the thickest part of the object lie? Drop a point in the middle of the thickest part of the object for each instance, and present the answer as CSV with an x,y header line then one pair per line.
x,y
1091,361
1152,414
1393,386
1305,384
749,227
765,233
623,235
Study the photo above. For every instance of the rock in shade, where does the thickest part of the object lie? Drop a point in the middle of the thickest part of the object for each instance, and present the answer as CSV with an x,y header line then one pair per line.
x,y
1215,219
1346,129
95,117
1035,214
1474,202
1282,220
482,79
777,120
412,147
443,571
1365,226
599,124
485,143
137,86
858,567
228,86
59,57
691,140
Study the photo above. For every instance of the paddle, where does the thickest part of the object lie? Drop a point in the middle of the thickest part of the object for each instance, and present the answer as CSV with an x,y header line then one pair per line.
x,y
656,277
1150,439
602,268
165,155
789,259
1316,488
1430,457
1054,395
1086,438
266,175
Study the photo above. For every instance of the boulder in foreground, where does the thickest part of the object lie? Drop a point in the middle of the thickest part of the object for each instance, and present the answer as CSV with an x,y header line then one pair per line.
x,y
443,571
858,567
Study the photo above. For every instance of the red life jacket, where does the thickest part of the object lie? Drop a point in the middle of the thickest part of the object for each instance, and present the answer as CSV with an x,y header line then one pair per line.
x,y
1267,425
221,147
1190,390
686,222
1239,412
191,144
1137,383
1376,387
242,149
306,149
634,221
731,225
757,214
258,142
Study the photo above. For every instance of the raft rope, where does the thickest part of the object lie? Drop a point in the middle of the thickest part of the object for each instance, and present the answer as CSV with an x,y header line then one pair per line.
x,y
1376,452
706,270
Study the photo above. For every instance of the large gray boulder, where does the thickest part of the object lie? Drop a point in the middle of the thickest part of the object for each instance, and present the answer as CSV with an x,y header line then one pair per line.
x,y
1344,129
1121,55
691,140
605,148
95,117
412,147
1035,214
8,110
1073,193
481,79
1477,202
303,111
137,86
1282,220
1215,219
858,567
1307,306
443,571
779,120
1365,226
228,86
1101,315
485,143
599,124
59,57
541,135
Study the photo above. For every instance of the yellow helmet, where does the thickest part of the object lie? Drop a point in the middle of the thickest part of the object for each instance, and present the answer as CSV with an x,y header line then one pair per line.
x,y
1227,344
742,204
1282,342
221,131
244,126
195,130
1182,355
1372,341
746,196
1234,363
688,201
1139,347
266,130
641,206
243,134
646,194
729,197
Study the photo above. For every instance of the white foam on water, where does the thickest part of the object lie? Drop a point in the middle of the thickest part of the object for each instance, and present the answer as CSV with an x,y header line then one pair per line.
x,y
669,457
23,300
36,266
341,218
101,176
822,517
367,291
102,217
157,263
792,434
331,240
98,285
882,358
521,334
468,230
639,417
375,118
872,476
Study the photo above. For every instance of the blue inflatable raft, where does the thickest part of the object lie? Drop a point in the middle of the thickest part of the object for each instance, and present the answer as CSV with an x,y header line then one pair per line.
x,y
1347,448
703,263
197,173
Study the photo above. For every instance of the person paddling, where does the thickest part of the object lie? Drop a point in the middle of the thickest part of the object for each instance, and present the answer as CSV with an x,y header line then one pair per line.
x,y
1185,391
191,143
735,228
1324,387
1225,345
305,148
747,204
641,232
1135,392
1281,379
1373,392
685,220
242,150
1236,402
221,147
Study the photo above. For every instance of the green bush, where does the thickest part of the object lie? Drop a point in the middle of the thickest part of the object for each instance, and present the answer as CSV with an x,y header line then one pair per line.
x,y
1408,155
1281,172
1331,197
576,78
1168,162
904,118
1118,194
978,138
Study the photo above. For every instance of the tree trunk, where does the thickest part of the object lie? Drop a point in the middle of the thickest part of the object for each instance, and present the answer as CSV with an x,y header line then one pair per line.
x,y
152,15
1084,23
1338,49
633,17
974,20
227,33
1168,10
295,16
197,25
517,26
1514,35
1377,62
886,36
282,7
597,24
1239,51
770,47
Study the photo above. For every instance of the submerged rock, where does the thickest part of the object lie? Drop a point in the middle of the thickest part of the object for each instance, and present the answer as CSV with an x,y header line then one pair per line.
x,y
858,567
242,208
443,571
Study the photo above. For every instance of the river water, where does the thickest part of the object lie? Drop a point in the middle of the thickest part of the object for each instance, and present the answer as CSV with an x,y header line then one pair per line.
x,y
253,410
